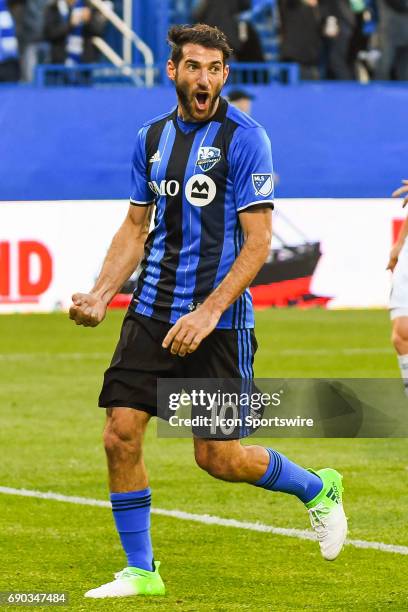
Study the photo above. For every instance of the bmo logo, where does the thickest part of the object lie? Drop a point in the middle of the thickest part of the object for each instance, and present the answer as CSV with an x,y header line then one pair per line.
x,y
25,271
200,190
165,188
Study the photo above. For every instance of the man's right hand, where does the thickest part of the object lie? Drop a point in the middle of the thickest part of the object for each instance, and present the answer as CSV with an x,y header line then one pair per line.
x,y
87,310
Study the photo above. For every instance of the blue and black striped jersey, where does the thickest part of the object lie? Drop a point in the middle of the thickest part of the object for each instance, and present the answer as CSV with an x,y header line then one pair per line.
x,y
200,176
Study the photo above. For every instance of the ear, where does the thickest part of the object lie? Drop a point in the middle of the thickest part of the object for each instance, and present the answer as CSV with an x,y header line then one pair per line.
x,y
226,73
171,70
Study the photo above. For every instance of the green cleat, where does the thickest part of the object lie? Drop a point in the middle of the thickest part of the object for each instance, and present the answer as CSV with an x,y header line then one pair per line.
x,y
327,514
131,581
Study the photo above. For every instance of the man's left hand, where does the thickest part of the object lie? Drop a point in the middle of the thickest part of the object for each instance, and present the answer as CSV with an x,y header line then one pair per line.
x,y
189,331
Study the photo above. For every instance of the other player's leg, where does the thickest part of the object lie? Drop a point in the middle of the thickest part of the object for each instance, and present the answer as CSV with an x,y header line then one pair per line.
x,y
400,341
399,312
131,499
321,491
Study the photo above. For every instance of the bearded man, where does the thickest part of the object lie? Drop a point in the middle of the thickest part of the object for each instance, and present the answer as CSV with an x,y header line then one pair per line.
x,y
206,169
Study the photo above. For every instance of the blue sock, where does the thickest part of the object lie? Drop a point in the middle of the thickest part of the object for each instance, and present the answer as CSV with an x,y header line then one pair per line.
x,y
131,512
284,475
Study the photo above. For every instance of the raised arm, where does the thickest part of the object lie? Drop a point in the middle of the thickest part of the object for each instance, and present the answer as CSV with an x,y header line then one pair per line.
x,y
123,257
189,331
402,191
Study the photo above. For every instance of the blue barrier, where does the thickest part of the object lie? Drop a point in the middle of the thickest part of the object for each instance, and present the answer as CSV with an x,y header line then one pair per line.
x,y
329,140
261,73
89,75
264,73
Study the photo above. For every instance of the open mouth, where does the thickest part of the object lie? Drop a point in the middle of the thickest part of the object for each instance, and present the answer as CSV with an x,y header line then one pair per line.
x,y
202,99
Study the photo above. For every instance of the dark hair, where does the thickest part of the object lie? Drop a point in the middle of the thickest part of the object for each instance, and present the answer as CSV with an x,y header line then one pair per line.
x,y
199,34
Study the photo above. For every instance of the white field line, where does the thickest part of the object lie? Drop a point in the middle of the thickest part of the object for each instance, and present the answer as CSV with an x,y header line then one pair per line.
x,y
53,356
284,352
337,351
207,519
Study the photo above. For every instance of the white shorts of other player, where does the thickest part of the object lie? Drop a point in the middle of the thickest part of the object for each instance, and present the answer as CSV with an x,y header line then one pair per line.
x,y
399,290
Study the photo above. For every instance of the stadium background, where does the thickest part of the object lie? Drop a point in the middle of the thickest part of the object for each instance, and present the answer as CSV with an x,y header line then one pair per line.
x,y
339,149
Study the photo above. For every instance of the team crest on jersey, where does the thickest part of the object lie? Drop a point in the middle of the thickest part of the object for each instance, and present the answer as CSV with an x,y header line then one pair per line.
x,y
208,157
263,184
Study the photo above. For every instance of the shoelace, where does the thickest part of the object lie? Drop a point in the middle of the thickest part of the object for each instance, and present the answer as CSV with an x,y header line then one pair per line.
x,y
125,573
317,516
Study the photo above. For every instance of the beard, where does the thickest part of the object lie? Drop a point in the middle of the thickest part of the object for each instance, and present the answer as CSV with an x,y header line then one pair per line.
x,y
186,101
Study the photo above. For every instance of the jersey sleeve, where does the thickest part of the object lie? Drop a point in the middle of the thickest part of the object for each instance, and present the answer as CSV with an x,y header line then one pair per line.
x,y
252,169
141,195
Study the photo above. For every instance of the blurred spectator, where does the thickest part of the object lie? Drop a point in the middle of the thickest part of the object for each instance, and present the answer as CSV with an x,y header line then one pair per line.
x,y
224,15
347,37
9,65
301,22
69,27
31,36
393,33
29,21
250,46
241,99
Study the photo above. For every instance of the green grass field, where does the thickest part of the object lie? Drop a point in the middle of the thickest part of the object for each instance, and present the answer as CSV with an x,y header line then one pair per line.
x,y
51,441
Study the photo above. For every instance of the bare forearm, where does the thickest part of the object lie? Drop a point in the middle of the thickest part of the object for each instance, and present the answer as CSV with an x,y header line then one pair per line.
x,y
245,268
124,255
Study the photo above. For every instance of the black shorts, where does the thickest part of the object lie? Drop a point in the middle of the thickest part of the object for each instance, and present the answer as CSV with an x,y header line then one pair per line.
x,y
139,360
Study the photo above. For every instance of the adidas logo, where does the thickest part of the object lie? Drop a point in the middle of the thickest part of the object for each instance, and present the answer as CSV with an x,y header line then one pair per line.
x,y
156,158
333,494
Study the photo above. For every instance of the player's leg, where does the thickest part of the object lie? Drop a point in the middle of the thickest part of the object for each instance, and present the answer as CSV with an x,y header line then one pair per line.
x,y
321,491
263,467
229,354
123,442
130,494
130,497
131,381
400,341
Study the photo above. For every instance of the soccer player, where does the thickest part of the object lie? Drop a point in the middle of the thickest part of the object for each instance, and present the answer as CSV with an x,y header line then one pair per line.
x,y
398,264
206,168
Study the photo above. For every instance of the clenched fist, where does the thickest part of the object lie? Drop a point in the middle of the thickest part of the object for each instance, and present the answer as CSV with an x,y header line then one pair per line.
x,y
87,310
